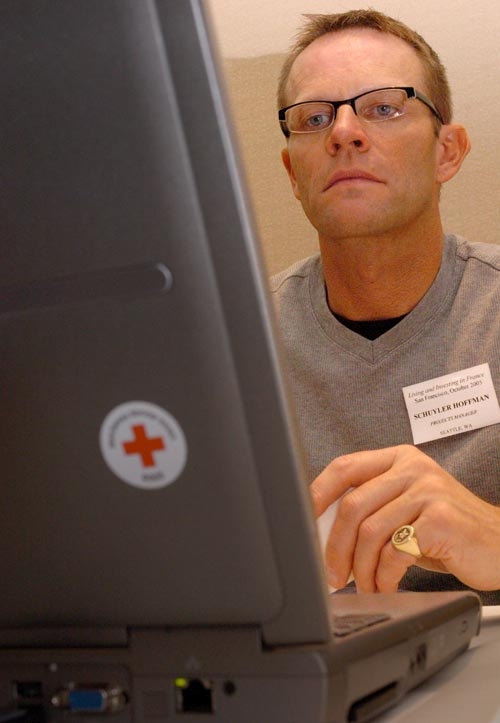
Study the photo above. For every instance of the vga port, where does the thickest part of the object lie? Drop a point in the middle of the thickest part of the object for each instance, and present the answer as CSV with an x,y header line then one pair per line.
x,y
85,698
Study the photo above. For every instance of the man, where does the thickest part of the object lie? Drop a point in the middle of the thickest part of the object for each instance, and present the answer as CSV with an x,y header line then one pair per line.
x,y
391,333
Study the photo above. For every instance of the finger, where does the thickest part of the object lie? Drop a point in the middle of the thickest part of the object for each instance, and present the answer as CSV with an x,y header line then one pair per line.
x,y
349,470
342,544
369,515
393,564
376,531
366,519
392,567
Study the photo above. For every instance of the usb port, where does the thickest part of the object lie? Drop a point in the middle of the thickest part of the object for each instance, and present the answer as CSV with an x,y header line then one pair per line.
x,y
28,690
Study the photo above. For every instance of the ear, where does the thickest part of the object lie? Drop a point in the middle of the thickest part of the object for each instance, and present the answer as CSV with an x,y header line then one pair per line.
x,y
287,162
453,146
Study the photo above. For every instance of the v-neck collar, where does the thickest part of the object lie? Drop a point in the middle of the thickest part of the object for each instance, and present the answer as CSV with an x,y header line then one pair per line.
x,y
412,324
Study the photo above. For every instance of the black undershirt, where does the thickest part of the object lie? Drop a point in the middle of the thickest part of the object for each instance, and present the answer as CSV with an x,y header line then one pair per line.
x,y
369,329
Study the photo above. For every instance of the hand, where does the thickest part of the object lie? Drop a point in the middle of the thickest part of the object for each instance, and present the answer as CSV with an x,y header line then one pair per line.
x,y
383,489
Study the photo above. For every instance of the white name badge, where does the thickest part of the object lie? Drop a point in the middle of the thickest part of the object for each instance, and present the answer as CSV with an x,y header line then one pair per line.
x,y
452,404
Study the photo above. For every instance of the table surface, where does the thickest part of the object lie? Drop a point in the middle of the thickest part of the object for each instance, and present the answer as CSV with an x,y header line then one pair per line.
x,y
465,691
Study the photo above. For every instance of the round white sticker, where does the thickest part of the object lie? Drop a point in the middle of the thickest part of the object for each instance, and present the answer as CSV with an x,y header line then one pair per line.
x,y
143,445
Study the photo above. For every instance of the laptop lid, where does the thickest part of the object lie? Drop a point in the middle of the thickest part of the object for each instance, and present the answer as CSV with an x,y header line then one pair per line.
x,y
151,475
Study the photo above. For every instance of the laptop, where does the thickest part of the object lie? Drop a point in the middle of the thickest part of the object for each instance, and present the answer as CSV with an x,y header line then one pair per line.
x,y
158,552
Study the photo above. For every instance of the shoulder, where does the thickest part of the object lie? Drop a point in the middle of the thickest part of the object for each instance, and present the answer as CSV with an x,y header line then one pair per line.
x,y
296,275
294,296
477,254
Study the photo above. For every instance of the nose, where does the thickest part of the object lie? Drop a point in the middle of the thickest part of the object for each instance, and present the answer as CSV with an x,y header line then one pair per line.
x,y
347,132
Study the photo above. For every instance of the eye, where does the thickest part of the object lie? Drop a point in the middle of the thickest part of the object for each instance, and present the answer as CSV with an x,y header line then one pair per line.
x,y
317,121
381,111
381,105
309,117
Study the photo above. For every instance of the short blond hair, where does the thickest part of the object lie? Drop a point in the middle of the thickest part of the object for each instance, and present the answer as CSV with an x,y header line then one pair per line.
x,y
318,25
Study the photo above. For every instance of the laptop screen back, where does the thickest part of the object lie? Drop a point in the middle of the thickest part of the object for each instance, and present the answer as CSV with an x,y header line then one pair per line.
x,y
150,474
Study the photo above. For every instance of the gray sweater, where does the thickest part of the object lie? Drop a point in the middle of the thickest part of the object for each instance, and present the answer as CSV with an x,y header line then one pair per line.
x,y
348,389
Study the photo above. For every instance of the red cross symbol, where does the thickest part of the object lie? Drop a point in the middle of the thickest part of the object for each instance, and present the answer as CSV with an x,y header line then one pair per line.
x,y
143,446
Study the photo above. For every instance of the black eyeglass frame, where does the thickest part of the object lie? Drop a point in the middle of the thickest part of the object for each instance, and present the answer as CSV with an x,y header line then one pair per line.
x,y
411,93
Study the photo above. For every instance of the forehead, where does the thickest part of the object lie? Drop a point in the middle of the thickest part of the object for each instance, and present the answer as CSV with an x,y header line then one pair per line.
x,y
347,62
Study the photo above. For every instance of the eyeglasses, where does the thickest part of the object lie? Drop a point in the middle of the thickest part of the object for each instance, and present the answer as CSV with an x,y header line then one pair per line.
x,y
375,106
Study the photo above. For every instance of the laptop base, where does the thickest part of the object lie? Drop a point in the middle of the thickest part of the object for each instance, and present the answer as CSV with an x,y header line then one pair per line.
x,y
226,674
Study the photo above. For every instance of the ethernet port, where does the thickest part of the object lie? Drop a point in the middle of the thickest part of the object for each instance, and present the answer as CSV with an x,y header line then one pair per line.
x,y
194,695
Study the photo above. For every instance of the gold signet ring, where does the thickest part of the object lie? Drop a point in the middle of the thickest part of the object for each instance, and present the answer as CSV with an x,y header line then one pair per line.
x,y
405,540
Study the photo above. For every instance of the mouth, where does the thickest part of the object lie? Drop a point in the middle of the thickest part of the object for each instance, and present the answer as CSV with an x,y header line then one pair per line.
x,y
351,176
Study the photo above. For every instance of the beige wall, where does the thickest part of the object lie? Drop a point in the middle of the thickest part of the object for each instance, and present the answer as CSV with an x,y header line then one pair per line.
x,y
252,37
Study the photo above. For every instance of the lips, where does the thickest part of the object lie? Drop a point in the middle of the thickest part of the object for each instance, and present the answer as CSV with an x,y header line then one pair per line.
x,y
352,174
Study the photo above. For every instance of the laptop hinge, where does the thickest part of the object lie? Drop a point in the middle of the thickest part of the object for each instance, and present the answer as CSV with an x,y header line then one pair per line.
x,y
187,651
63,637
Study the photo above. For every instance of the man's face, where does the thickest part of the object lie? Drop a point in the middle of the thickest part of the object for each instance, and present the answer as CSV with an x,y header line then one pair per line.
x,y
358,178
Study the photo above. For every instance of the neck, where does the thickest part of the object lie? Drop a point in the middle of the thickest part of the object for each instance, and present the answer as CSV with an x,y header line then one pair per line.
x,y
373,278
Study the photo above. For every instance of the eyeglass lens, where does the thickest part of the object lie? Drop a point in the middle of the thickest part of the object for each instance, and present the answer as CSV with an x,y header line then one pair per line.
x,y
375,106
